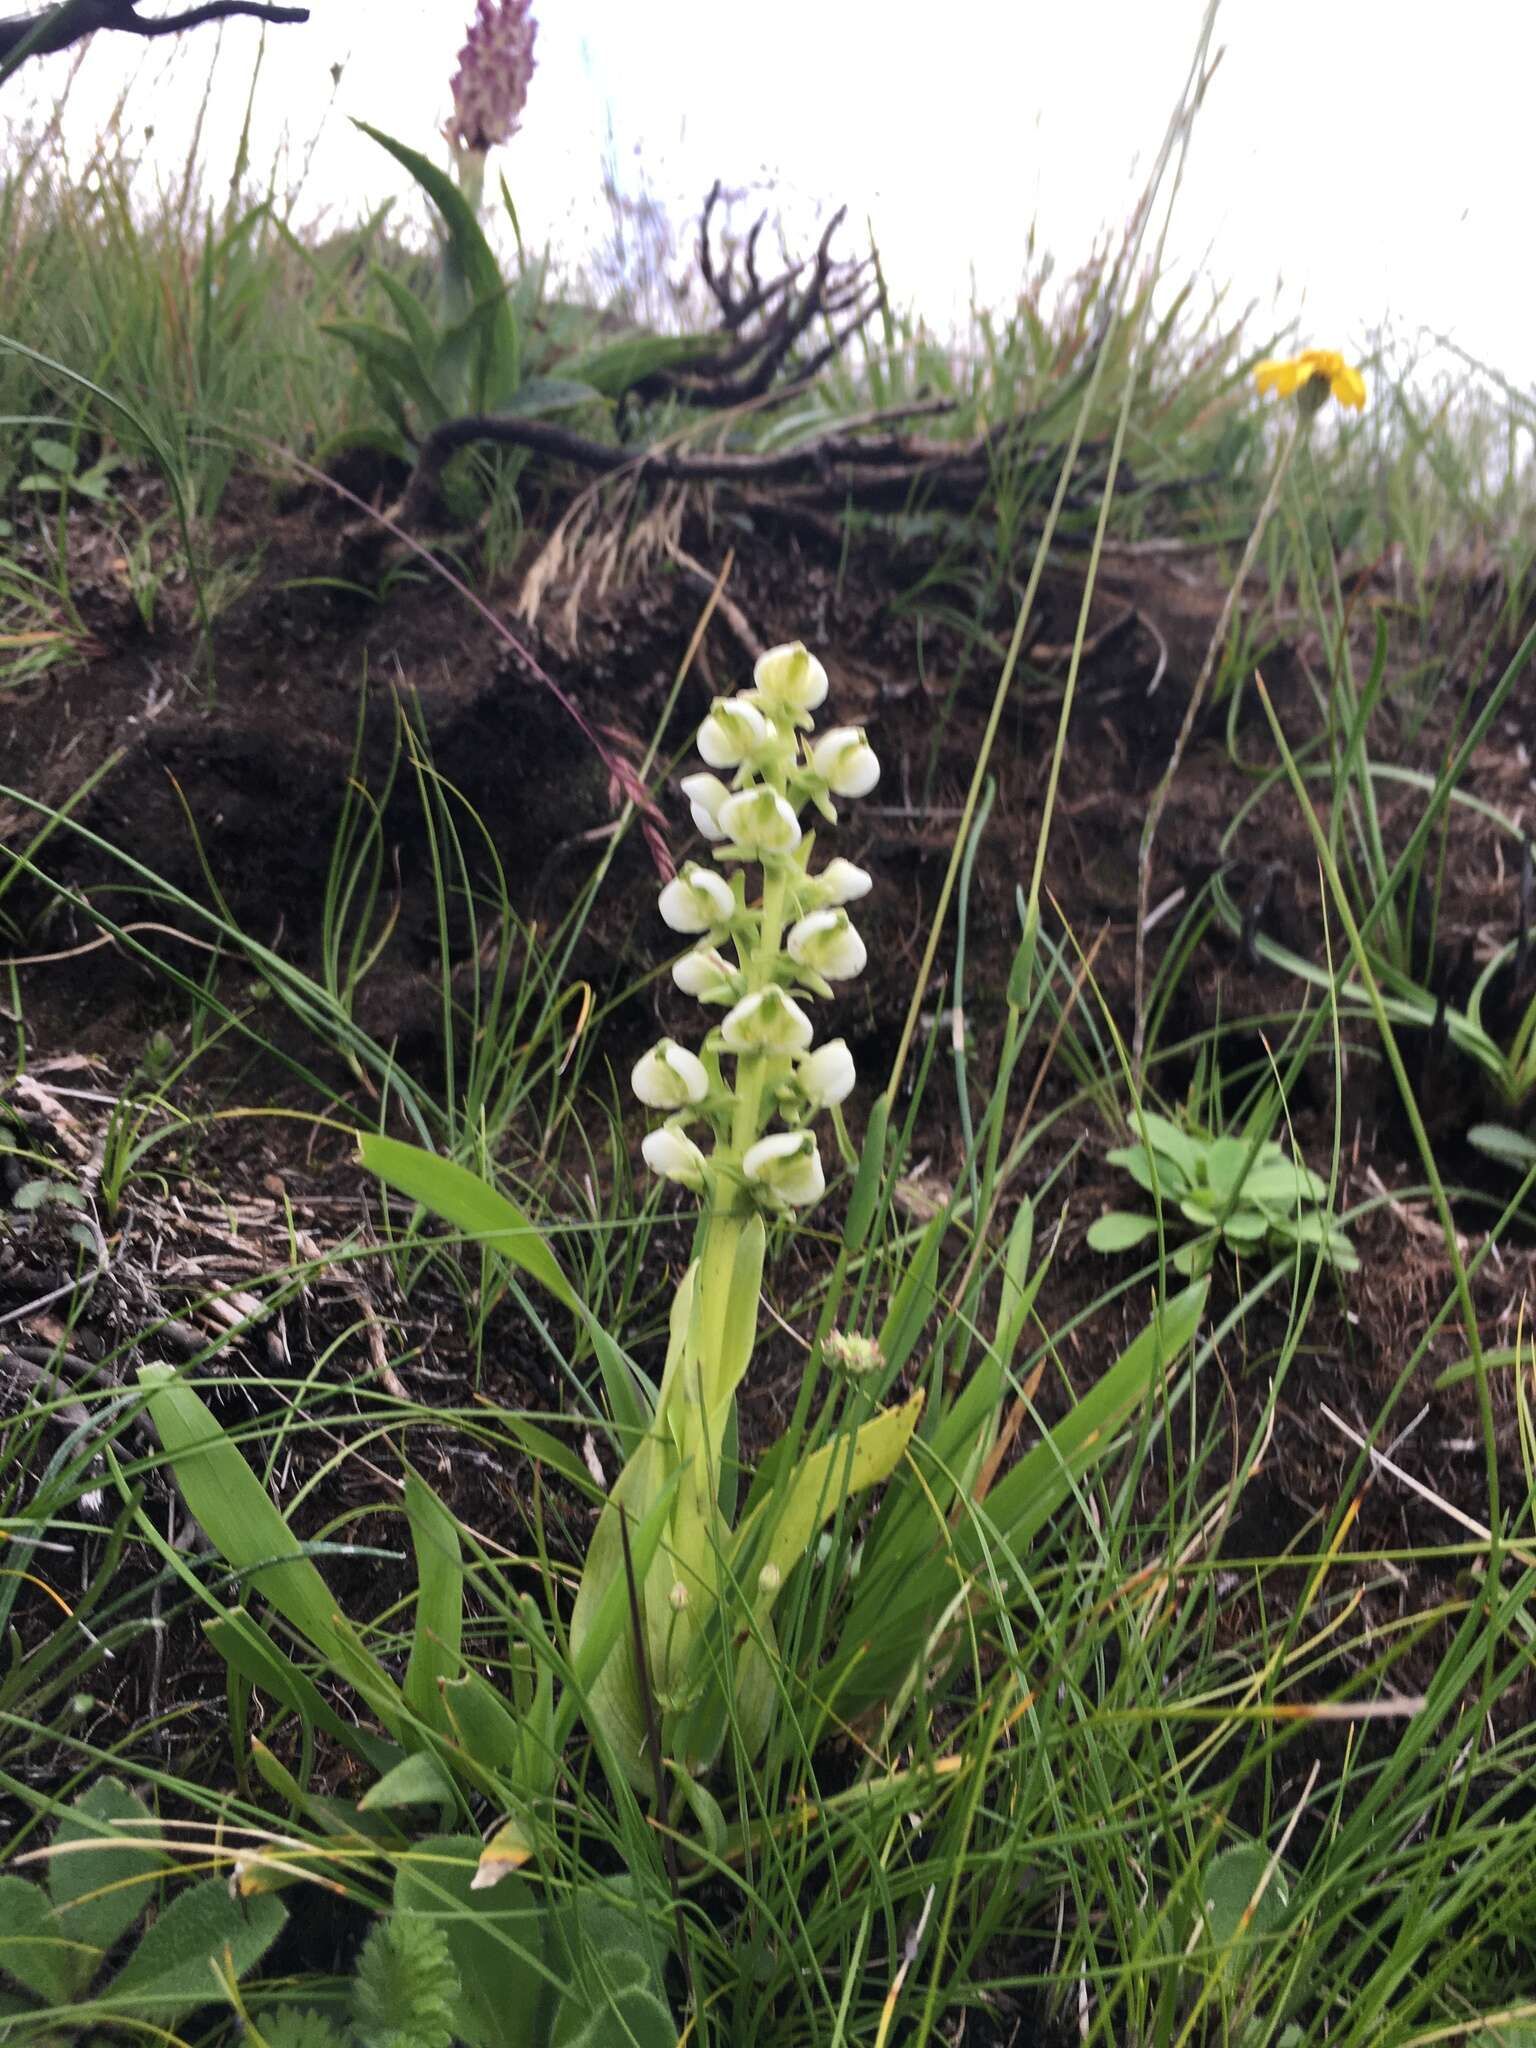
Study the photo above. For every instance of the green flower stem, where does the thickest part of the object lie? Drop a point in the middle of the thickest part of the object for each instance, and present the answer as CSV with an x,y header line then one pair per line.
x,y
752,1068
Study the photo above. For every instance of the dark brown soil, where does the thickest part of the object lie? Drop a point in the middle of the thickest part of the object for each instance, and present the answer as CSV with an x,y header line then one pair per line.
x,y
236,779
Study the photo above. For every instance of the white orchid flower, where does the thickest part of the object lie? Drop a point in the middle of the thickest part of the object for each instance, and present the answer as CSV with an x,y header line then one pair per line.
x,y
791,677
840,881
845,761
669,1076
768,1022
696,900
706,974
735,731
826,943
826,1076
706,794
760,822
787,1168
674,1155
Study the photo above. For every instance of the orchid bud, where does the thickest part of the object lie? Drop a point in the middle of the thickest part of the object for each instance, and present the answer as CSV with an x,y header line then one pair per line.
x,y
787,1168
840,881
760,822
845,761
708,975
734,731
706,794
852,1353
669,1076
826,1076
827,943
791,677
491,84
673,1155
768,1022
697,899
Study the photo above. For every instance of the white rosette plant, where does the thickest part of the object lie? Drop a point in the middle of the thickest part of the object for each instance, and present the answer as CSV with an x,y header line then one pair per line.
x,y
738,1130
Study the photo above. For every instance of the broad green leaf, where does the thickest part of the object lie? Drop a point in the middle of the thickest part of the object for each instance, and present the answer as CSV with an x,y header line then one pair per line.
x,y
172,1969
32,1949
777,1534
482,1723
249,1533
481,1212
738,1336
536,396
913,1301
602,1684
1169,1141
1281,1182
390,357
471,266
612,368
1246,1226
249,1650
1120,1232
420,329
436,1640
98,1892
495,1936
1160,1178
604,1954
864,1200
1224,1162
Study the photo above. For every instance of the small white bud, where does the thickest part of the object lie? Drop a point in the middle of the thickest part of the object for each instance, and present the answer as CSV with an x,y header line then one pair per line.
x,y
677,1599
768,1022
826,1075
786,1167
697,899
673,1155
769,1579
845,761
705,794
669,1076
735,731
790,676
840,881
707,974
759,821
828,944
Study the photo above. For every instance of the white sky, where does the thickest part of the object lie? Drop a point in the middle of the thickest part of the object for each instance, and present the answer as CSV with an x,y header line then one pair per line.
x,y
1366,157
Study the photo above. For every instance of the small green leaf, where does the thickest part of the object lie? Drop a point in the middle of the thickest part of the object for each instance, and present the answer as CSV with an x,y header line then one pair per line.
x,y
172,1969
98,1892
865,1197
418,1780
1120,1232
1235,1911
32,1949
1498,1141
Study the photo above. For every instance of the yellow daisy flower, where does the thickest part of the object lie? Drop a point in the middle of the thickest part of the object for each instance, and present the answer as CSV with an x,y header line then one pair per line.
x,y
1321,366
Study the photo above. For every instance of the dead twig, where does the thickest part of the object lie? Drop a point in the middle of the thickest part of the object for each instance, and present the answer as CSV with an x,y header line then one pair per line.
x,y
42,35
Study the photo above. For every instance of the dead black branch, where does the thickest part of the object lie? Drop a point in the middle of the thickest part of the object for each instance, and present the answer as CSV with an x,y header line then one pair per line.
x,y
58,28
